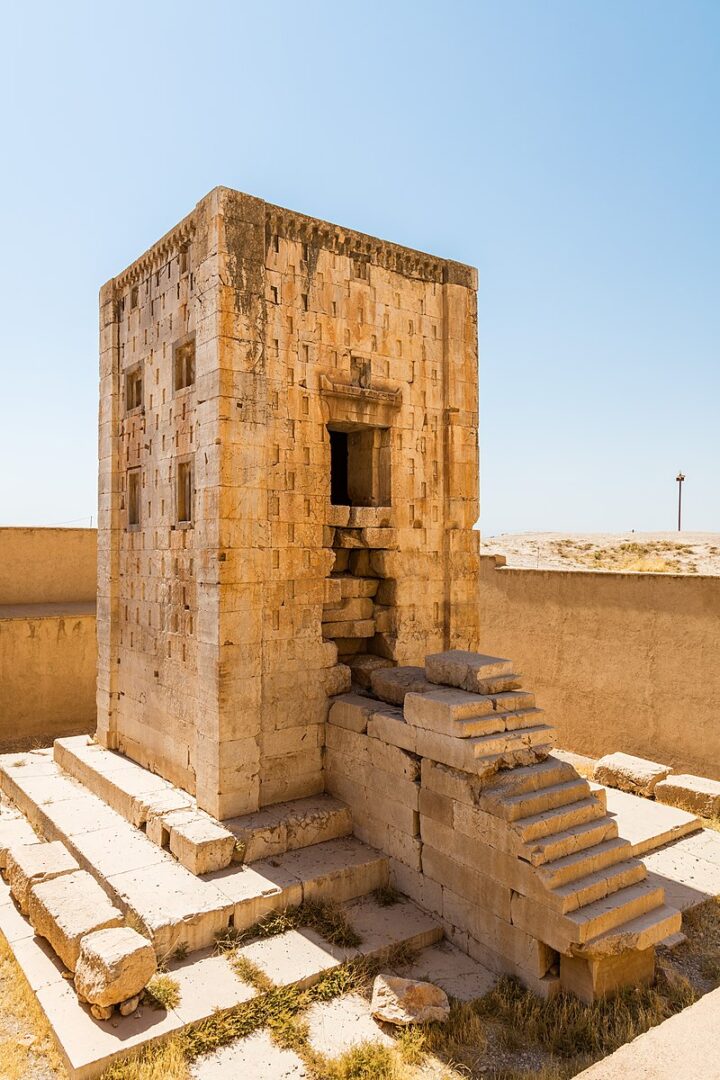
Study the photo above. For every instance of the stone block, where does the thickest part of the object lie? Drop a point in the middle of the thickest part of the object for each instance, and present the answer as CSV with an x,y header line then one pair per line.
x,y
388,724
363,665
67,908
452,712
352,711
29,864
696,794
392,684
629,773
113,965
466,881
594,978
201,845
466,670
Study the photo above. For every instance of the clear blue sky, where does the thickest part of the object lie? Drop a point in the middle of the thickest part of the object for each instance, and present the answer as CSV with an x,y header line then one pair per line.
x,y
568,148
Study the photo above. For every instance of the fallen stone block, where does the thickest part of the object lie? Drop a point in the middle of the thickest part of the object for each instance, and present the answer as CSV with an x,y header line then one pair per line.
x,y
408,1001
67,908
697,794
468,670
628,773
28,864
113,966
337,680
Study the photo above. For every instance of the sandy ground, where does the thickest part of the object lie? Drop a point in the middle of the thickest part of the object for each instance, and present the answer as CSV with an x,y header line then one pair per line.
x,y
662,552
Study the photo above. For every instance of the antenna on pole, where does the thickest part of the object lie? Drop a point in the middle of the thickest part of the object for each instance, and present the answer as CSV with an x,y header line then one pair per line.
x,y
680,477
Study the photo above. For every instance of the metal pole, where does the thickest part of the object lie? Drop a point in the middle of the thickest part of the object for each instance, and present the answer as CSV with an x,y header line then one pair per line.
x,y
680,477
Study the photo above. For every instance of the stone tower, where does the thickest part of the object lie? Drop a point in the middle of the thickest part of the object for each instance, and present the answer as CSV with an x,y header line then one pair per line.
x,y
288,488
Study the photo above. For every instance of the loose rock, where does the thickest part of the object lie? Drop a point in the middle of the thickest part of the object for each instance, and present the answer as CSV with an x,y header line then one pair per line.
x,y
408,1001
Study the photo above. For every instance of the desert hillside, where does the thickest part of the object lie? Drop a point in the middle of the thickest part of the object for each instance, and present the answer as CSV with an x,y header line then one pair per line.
x,y
654,553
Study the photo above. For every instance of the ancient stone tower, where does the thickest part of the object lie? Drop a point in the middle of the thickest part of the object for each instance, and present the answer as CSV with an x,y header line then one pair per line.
x,y
281,400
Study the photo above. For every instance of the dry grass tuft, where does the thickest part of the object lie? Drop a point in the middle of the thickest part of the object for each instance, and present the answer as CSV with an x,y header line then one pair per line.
x,y
328,919
163,992
26,1045
367,1061
251,974
166,1061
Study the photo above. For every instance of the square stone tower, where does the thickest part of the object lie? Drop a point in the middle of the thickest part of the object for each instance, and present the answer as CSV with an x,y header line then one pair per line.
x,y
288,488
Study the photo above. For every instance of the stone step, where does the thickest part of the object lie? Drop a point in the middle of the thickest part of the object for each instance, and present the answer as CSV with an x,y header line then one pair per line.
x,y
595,886
568,841
565,931
508,741
527,804
562,818
642,932
162,898
579,864
526,780
288,826
301,957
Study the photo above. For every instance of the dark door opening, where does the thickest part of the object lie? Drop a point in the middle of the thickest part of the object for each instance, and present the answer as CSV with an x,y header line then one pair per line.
x,y
339,493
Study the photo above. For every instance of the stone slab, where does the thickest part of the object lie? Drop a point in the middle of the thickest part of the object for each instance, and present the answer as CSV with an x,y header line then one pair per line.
x,y
688,869
465,670
392,684
685,1047
255,1056
14,830
207,982
645,824
696,794
628,773
289,826
336,1026
451,969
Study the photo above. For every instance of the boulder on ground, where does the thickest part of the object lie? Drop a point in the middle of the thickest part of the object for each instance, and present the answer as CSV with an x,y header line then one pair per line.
x,y
114,966
628,773
408,1001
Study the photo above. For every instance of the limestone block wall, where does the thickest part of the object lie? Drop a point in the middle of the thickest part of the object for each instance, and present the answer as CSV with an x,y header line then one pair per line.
x,y
215,664
620,661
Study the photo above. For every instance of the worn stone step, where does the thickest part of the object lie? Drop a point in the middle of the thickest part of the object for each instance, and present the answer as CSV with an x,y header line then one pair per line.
x,y
595,886
550,822
166,901
641,932
126,787
288,826
579,864
567,841
526,780
563,931
507,741
527,804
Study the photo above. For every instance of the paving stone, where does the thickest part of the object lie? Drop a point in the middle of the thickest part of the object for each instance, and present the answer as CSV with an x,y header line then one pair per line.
x,y
688,869
298,956
646,824
255,1056
207,982
696,794
67,908
628,773
28,864
448,967
338,1025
